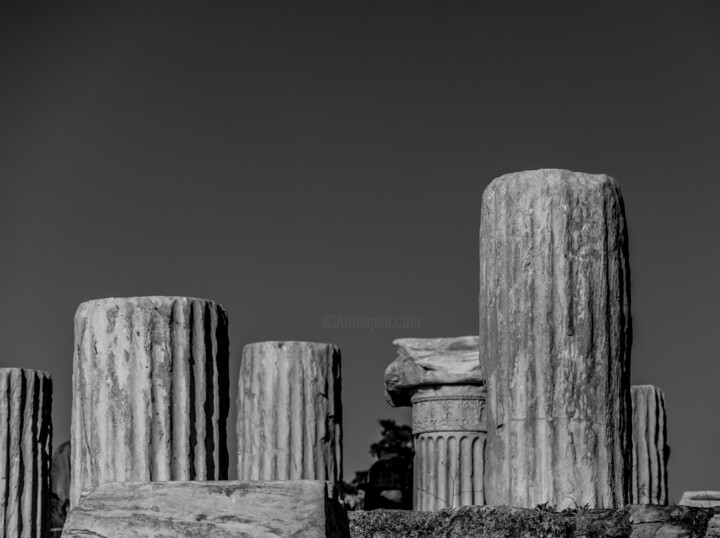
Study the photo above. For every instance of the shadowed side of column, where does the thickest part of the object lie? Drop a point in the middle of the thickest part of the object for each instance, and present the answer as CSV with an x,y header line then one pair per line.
x,y
25,452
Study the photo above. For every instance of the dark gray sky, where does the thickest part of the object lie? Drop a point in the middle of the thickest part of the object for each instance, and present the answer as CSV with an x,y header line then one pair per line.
x,y
292,161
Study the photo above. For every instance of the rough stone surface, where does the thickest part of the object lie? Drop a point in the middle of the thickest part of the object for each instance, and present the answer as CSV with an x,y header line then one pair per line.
x,y
226,509
703,499
150,391
555,337
650,449
669,521
507,522
441,379
25,449
289,421
431,361
713,529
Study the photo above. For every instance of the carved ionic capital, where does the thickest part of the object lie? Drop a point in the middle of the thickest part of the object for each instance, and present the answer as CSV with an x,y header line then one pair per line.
x,y
457,408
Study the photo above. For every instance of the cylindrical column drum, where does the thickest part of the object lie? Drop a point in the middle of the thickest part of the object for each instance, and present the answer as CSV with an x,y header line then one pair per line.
x,y
150,391
555,336
289,421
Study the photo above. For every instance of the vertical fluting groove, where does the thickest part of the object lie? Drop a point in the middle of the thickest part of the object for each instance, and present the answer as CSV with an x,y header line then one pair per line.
x,y
337,409
222,348
268,427
448,470
442,472
309,395
25,452
201,388
180,393
192,390
289,424
209,408
555,339
650,450
149,396
301,421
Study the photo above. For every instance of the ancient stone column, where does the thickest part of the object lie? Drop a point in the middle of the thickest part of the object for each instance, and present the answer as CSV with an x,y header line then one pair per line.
x,y
289,420
150,391
650,449
440,378
25,452
555,336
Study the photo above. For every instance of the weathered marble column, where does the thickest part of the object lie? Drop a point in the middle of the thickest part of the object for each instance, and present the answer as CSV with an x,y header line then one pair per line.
x,y
25,452
440,378
555,336
289,420
150,391
650,449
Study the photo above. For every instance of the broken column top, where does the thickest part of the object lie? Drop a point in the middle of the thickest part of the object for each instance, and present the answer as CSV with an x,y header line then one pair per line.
x,y
145,299
290,343
552,177
431,361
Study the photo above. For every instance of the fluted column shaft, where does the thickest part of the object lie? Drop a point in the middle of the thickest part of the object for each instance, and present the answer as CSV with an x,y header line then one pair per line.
x,y
650,449
289,421
150,391
449,430
25,452
555,336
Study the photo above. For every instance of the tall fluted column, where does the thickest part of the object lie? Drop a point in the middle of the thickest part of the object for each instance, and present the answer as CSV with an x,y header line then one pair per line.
x,y
440,378
150,391
289,421
650,449
555,336
25,452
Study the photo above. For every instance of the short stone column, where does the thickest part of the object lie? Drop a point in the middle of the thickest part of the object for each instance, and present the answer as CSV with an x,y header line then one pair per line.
x,y
650,449
289,412
555,336
150,392
25,452
440,378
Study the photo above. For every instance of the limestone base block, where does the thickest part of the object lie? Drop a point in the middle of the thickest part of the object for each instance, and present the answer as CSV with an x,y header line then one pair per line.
x,y
25,452
217,509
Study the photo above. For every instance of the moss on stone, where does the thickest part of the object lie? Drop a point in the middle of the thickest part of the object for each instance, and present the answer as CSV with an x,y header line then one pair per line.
x,y
504,522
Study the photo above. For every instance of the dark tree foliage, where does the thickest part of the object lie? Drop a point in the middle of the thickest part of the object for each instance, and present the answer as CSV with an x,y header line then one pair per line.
x,y
395,439
388,482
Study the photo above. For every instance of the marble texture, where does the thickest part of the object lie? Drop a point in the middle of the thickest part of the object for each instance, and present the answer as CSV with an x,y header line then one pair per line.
x,y
289,421
555,338
150,391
